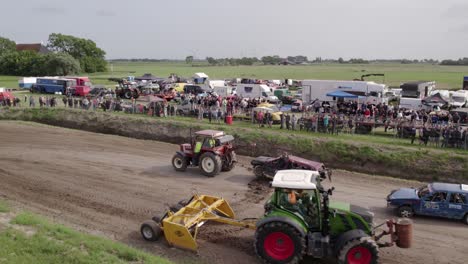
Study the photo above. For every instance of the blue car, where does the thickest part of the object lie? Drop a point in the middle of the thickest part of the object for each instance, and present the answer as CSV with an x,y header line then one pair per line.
x,y
436,199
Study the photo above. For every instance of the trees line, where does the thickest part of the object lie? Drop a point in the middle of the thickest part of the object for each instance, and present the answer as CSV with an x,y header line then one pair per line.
x,y
68,55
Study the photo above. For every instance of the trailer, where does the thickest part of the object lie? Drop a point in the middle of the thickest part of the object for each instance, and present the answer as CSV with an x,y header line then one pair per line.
x,y
371,92
53,85
413,93
26,82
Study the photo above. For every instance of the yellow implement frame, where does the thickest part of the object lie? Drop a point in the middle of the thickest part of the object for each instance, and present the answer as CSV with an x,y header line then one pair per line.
x,y
181,228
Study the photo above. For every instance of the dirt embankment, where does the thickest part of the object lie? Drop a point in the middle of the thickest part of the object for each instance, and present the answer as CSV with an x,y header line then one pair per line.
x,y
108,185
402,162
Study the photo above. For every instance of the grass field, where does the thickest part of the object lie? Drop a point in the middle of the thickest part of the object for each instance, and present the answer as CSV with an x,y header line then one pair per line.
x,y
447,77
28,238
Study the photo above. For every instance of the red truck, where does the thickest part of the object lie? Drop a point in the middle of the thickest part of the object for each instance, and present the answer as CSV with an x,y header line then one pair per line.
x,y
83,85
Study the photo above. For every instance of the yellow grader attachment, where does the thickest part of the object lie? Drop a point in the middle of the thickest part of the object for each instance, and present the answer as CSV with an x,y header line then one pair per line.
x,y
181,228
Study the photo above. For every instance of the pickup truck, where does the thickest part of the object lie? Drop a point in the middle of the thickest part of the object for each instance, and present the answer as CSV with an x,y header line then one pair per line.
x,y
436,199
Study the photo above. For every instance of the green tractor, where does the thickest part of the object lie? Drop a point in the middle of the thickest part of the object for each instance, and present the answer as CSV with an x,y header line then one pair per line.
x,y
299,221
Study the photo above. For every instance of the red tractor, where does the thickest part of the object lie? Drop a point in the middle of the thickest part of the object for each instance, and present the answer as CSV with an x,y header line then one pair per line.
x,y
215,153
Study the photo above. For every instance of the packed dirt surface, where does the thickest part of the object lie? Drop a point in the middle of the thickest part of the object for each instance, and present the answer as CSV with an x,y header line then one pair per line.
x,y
108,185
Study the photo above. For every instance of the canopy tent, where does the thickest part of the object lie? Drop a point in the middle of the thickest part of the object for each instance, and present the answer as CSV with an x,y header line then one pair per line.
x,y
342,94
436,99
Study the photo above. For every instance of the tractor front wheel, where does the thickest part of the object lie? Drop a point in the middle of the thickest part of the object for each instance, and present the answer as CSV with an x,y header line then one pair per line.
x,y
359,250
229,162
150,231
210,164
179,162
278,242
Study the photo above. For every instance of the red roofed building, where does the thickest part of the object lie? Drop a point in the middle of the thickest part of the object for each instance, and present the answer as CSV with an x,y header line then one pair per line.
x,y
37,47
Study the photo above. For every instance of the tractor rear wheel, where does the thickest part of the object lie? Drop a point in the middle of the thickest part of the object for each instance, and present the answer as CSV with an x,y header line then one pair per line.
x,y
465,219
359,250
127,94
150,231
179,162
210,164
278,242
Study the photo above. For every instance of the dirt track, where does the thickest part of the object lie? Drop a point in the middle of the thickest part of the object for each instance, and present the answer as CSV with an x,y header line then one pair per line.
x,y
107,185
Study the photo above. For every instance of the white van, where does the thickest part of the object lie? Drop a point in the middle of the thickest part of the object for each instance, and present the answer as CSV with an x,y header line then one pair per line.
x,y
256,91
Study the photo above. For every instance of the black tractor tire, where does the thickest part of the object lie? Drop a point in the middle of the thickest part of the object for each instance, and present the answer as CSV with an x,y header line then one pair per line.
x,y
278,243
359,250
127,94
229,166
258,171
181,204
405,211
465,219
179,162
210,164
135,94
151,231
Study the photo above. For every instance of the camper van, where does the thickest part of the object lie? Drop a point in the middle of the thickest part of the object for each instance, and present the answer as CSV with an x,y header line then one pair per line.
x,y
413,93
256,91
459,98
223,91
202,80
370,92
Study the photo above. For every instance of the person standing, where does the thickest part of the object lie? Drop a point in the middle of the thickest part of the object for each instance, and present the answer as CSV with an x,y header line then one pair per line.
x,y
219,115
288,121
281,121
32,103
293,122
325,123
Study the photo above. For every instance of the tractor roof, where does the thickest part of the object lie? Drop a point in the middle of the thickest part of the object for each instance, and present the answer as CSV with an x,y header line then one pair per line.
x,y
210,133
296,179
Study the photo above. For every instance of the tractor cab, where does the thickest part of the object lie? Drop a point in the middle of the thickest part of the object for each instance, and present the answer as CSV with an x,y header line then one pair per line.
x,y
297,192
211,139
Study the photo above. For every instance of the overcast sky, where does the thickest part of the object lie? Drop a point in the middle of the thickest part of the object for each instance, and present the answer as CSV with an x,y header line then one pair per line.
x,y
232,28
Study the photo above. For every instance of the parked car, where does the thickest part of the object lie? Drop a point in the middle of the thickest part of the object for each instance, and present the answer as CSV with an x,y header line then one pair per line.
x,y
436,199
266,167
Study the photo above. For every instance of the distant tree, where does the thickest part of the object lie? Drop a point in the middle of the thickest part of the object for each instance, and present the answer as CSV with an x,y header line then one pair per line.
x,y
211,60
270,60
318,59
463,61
189,59
6,45
61,64
341,60
91,57
358,61
291,59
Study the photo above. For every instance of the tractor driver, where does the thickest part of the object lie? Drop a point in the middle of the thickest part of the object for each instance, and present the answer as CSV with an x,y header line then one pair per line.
x,y
197,149
302,202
